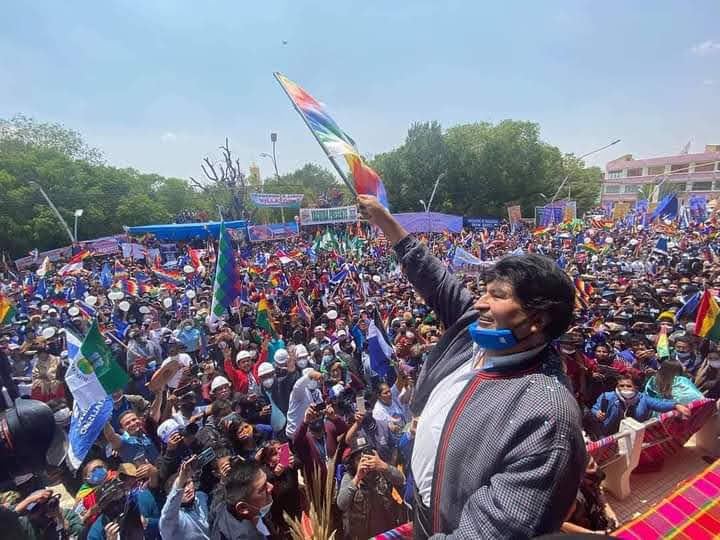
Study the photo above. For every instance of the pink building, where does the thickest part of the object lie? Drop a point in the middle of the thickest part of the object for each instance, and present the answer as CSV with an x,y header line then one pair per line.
x,y
693,174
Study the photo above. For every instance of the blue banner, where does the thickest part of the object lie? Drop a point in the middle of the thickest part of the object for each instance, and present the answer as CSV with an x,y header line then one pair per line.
x,y
272,231
483,222
85,427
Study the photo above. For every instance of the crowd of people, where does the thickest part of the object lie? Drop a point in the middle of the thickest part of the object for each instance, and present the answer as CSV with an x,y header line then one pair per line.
x,y
223,420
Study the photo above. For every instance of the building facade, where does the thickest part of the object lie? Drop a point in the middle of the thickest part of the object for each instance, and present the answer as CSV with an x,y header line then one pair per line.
x,y
692,174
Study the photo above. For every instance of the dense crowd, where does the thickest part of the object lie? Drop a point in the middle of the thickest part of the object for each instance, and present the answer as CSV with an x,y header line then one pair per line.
x,y
222,420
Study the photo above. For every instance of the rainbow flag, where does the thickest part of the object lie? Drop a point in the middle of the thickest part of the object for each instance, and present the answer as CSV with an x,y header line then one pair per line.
x,y
119,270
174,279
707,321
541,230
7,310
367,181
328,133
228,283
334,140
128,286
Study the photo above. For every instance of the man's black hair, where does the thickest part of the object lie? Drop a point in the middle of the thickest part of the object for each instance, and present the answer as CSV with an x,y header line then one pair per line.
x,y
540,287
239,484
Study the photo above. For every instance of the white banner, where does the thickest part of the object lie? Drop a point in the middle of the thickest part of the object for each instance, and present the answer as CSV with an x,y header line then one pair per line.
x,y
318,216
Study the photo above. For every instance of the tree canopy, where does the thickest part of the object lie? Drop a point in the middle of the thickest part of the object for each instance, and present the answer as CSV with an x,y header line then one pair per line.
x,y
485,168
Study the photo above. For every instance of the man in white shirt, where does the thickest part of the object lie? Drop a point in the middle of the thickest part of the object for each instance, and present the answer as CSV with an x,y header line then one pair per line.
x,y
305,392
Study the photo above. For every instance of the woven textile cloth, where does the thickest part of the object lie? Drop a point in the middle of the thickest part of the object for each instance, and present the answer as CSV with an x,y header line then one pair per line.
x,y
604,450
665,438
691,512
403,532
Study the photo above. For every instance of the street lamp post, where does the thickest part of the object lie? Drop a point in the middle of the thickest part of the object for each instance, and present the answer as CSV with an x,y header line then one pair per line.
x,y
273,157
78,213
52,206
562,184
426,207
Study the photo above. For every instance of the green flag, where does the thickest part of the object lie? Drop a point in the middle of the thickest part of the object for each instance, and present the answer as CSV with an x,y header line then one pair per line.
x,y
95,351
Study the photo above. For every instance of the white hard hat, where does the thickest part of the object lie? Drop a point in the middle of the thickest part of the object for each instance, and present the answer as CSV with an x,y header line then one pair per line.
x,y
217,382
265,369
281,357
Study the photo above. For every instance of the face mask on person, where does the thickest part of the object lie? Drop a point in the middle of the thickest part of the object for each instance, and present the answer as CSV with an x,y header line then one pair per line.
x,y
682,355
263,510
495,340
715,364
627,394
302,362
313,384
327,358
97,476
267,383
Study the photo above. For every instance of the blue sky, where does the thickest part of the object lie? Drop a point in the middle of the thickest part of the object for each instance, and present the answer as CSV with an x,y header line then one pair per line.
x,y
157,85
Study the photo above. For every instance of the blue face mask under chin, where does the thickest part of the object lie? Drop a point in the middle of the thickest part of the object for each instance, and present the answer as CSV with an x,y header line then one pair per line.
x,y
495,340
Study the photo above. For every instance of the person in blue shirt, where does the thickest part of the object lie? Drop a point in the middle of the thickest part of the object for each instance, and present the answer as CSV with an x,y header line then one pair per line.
x,y
185,513
189,336
611,407
133,445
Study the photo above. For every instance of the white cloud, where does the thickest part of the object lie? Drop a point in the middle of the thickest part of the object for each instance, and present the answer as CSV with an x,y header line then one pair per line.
x,y
708,82
706,47
168,136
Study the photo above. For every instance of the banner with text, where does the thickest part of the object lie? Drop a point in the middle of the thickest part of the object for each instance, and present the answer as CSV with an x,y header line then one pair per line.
x,y
318,216
429,221
483,222
272,231
277,200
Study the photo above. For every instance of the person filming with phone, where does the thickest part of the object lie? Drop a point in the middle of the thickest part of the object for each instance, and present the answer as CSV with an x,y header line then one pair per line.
x,y
366,495
498,451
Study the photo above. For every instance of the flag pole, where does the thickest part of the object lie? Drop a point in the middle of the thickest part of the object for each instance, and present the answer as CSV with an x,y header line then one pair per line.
x,y
331,158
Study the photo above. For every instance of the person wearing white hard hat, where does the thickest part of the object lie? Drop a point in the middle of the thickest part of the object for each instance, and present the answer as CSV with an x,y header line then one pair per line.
x,y
243,373
268,390
220,388
286,374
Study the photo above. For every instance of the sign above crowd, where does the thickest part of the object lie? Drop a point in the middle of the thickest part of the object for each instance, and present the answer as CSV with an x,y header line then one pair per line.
x,y
320,216
429,221
272,231
277,200
483,222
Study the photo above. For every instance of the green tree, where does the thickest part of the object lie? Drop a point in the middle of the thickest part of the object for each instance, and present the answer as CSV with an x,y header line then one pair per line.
x,y
111,197
23,130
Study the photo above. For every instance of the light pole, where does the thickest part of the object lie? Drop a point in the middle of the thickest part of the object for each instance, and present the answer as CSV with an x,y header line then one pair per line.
x,y
51,205
273,157
562,184
426,207
78,213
